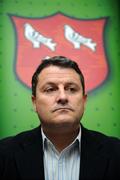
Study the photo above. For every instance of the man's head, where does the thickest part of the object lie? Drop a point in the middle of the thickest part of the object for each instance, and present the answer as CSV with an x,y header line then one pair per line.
x,y
58,94
58,61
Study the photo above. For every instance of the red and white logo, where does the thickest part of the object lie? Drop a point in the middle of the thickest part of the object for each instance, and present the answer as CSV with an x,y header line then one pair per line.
x,y
79,40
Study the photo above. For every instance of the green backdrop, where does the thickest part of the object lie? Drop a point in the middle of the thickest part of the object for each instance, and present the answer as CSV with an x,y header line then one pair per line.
x,y
16,112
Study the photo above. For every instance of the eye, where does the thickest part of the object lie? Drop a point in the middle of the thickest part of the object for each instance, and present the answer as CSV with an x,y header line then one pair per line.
x,y
49,90
71,89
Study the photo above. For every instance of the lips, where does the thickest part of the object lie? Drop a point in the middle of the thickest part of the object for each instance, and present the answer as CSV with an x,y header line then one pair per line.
x,y
62,108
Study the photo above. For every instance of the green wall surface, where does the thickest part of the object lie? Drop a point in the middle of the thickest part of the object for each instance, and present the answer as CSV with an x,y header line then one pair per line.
x,y
16,111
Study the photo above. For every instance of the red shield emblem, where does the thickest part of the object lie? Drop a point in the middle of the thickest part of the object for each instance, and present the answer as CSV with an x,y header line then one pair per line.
x,y
80,40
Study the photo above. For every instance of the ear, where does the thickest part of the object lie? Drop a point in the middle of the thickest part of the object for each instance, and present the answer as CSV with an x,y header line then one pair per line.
x,y
34,102
85,98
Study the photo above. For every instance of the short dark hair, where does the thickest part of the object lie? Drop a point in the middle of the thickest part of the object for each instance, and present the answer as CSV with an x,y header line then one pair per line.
x,y
59,61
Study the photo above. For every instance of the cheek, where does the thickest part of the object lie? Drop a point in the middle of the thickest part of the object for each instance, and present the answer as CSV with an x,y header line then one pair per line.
x,y
43,104
42,109
77,100
79,104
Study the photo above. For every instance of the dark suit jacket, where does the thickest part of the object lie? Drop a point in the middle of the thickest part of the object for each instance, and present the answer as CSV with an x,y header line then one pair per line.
x,y
21,157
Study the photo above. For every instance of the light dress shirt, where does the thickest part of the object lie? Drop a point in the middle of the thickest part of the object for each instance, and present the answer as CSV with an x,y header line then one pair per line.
x,y
64,165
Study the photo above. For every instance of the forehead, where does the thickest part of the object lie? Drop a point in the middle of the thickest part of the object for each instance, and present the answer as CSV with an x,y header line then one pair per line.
x,y
58,74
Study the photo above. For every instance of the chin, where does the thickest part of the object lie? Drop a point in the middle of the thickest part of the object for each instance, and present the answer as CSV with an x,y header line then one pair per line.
x,y
64,121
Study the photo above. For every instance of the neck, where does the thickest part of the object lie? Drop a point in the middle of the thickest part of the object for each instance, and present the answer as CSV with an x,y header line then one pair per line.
x,y
61,139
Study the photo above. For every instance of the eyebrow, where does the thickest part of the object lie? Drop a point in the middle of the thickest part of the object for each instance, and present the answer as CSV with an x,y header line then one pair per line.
x,y
47,84
54,84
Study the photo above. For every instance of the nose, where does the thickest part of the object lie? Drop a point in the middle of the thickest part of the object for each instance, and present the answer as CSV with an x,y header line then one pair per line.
x,y
62,97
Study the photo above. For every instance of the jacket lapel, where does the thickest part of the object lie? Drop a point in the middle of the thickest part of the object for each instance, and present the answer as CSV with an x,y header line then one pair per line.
x,y
29,159
93,163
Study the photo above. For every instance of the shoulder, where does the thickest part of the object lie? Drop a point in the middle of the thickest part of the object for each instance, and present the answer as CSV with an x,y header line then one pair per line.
x,y
15,143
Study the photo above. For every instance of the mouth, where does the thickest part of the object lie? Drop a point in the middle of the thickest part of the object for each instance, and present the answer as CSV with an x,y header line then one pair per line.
x,y
58,109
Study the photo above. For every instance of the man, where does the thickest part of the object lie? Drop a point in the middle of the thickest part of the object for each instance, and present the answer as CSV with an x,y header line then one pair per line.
x,y
61,148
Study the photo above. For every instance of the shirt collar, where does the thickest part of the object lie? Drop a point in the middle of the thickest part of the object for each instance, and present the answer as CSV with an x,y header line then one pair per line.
x,y
46,140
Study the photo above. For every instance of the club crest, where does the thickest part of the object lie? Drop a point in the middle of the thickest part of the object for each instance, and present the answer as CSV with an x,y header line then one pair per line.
x,y
80,40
